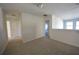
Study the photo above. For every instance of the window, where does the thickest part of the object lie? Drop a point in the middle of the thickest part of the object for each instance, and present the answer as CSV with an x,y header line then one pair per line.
x,y
77,25
71,24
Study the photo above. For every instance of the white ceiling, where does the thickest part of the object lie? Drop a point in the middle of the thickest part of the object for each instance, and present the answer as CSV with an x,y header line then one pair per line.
x,y
63,10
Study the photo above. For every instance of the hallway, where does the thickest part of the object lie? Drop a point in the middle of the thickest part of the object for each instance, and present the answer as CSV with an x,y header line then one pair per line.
x,y
41,46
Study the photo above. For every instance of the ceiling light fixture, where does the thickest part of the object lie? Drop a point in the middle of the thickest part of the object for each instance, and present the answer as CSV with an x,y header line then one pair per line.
x,y
40,5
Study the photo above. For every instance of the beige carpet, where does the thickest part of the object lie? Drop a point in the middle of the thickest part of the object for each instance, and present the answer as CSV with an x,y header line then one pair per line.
x,y
42,46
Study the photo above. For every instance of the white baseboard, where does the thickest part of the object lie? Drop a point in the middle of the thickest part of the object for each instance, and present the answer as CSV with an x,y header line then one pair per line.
x,y
24,41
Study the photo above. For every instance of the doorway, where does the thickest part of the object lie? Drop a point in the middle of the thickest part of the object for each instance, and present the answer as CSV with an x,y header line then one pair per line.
x,y
47,28
13,27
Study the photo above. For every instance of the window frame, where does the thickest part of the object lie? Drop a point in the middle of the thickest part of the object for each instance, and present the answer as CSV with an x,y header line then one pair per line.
x,y
77,25
74,24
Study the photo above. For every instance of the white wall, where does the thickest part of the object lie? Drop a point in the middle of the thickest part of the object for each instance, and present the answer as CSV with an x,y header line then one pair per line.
x,y
3,33
32,27
67,36
39,27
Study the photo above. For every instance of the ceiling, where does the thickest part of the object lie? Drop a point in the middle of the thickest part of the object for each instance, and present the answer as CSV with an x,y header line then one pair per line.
x,y
63,10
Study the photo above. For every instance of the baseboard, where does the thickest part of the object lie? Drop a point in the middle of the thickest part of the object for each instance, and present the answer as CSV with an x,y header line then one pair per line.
x,y
39,37
24,41
65,43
